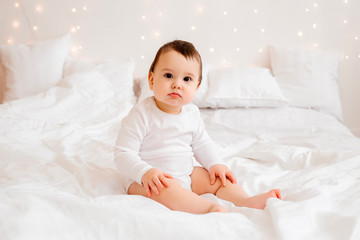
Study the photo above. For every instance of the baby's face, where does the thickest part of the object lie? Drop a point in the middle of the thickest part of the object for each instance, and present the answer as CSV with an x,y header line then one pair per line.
x,y
174,81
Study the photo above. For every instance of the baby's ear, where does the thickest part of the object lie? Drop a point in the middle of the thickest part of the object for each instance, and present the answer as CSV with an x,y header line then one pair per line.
x,y
151,80
198,85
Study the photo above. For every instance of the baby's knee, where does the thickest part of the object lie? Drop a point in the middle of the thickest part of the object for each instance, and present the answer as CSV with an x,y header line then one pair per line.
x,y
173,183
137,189
173,188
219,184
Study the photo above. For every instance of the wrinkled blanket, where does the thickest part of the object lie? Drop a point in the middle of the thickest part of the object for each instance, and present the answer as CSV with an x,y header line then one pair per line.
x,y
58,179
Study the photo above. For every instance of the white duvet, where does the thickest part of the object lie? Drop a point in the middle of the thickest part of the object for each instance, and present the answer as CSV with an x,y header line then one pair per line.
x,y
58,179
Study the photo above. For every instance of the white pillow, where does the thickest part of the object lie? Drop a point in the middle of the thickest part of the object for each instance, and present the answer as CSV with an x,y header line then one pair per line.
x,y
2,83
119,73
144,89
243,87
308,77
30,69
200,95
77,98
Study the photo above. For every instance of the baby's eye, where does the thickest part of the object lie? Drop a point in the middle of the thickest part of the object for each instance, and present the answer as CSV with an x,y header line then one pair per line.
x,y
187,79
168,75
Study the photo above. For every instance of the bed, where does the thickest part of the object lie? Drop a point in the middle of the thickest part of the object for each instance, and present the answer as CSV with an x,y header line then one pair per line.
x,y
58,179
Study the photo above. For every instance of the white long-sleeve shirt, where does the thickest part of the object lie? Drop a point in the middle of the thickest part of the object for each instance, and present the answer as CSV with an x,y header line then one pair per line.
x,y
151,138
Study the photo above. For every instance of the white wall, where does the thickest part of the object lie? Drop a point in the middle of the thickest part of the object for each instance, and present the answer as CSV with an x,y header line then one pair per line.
x,y
236,31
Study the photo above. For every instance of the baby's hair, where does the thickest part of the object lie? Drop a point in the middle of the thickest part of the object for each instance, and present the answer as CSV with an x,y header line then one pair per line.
x,y
185,48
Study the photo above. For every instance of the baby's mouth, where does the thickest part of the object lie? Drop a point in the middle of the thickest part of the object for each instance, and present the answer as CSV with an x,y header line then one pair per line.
x,y
174,95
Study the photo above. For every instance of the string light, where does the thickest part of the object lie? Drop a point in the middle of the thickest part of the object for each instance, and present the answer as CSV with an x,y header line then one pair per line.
x,y
200,9
39,8
74,50
73,29
16,24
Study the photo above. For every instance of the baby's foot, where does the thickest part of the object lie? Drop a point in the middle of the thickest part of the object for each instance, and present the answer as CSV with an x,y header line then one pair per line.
x,y
259,201
217,208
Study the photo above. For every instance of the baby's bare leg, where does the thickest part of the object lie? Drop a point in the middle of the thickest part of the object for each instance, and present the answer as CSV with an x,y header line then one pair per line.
x,y
177,198
234,193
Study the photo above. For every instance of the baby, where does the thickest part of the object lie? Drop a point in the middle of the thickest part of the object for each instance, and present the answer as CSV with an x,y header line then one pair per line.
x,y
162,135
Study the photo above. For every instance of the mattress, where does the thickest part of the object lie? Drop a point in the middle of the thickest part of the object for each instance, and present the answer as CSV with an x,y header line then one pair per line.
x,y
58,179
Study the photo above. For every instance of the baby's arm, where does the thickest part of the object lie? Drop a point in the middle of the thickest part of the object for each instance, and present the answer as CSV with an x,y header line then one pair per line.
x,y
127,157
207,154
126,150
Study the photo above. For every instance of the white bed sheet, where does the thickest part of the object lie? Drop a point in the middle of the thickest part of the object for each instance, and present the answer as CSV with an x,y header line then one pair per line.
x,y
58,179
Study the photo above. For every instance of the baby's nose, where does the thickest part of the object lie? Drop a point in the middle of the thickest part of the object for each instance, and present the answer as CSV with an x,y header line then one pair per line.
x,y
176,84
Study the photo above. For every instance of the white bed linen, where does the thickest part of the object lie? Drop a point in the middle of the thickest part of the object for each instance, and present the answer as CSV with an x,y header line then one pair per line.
x,y
58,179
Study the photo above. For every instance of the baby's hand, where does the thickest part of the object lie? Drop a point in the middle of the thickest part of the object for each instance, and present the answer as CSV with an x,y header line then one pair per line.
x,y
223,172
154,180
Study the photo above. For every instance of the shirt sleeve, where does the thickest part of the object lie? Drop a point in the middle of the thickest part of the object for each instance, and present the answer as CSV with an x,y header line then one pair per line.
x,y
205,150
126,150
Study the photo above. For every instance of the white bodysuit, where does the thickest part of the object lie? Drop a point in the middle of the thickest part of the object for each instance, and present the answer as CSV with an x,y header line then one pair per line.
x,y
151,138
